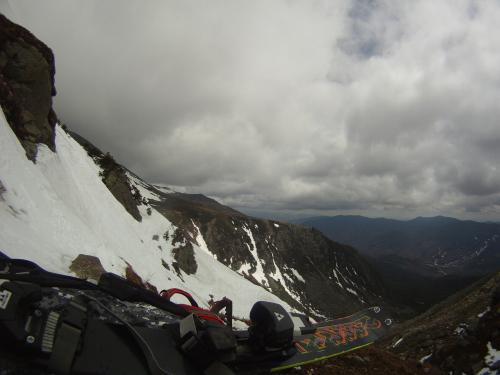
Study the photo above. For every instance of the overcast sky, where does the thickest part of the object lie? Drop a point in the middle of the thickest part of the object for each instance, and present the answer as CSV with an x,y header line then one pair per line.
x,y
383,108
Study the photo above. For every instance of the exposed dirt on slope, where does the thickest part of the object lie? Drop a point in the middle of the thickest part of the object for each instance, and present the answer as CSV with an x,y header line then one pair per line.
x,y
454,335
371,360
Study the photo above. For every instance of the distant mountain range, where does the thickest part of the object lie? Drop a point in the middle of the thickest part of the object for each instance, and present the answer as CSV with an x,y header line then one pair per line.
x,y
432,245
423,260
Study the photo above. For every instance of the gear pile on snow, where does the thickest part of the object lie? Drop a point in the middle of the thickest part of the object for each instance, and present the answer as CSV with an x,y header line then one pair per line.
x,y
65,325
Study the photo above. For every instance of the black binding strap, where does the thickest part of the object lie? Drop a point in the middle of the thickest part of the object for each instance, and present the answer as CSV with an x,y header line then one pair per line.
x,y
209,347
67,339
114,285
154,365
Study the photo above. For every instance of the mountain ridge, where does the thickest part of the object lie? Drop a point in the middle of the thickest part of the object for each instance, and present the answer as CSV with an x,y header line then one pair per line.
x,y
448,245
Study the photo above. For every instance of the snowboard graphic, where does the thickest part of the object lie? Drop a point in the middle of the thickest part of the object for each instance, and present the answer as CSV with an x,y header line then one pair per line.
x,y
338,336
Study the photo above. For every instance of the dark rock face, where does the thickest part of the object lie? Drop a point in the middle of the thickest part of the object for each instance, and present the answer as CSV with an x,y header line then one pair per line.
x,y
27,86
117,183
114,177
2,190
183,253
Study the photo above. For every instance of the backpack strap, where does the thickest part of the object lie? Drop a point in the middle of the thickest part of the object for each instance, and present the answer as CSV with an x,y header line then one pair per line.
x,y
67,340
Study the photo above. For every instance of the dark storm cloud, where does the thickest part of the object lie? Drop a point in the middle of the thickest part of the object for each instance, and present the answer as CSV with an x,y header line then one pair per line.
x,y
374,107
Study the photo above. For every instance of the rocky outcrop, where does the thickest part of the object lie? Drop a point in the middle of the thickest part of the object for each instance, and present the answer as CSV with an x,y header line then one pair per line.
x,y
87,267
114,177
457,334
183,252
133,277
26,86
90,267
2,190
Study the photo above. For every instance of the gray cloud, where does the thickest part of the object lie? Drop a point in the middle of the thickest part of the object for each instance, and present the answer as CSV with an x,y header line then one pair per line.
x,y
370,107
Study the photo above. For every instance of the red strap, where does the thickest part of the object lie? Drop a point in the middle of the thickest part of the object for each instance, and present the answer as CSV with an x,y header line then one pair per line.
x,y
203,314
172,291
193,308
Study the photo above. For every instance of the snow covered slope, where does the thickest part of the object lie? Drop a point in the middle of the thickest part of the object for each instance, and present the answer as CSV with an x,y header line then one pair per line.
x,y
58,208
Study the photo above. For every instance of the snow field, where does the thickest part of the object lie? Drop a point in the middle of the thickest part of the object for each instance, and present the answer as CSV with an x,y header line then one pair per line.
x,y
58,208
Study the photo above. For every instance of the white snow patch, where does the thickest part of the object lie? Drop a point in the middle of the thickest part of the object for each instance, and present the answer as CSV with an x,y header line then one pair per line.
x,y
423,359
259,274
480,315
346,279
493,355
278,276
142,187
163,188
337,279
352,291
491,359
397,342
297,275
245,268
238,325
201,241
485,245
